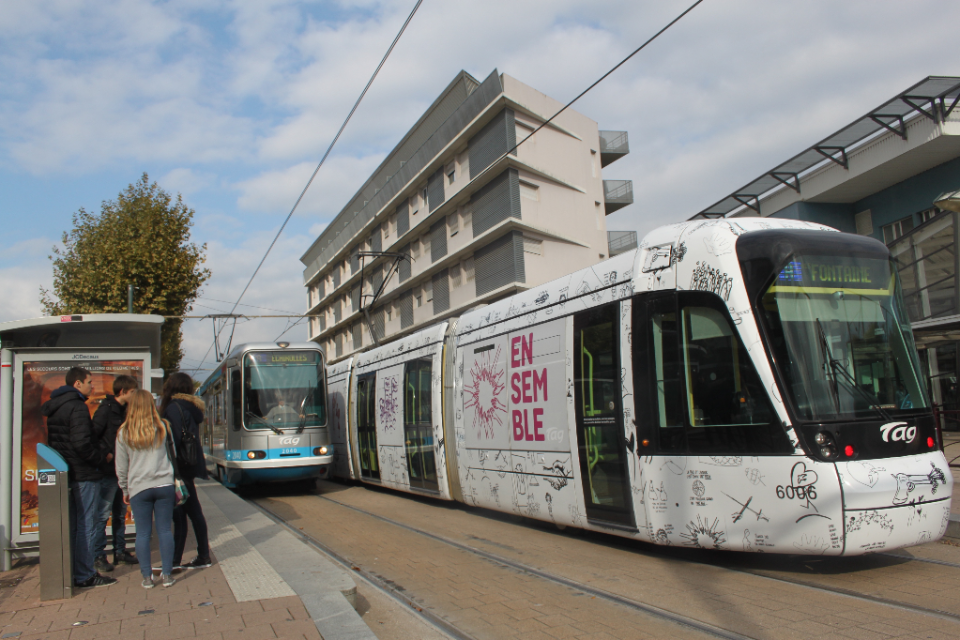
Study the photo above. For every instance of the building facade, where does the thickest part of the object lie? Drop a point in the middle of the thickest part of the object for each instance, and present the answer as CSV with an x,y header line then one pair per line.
x,y
459,215
892,174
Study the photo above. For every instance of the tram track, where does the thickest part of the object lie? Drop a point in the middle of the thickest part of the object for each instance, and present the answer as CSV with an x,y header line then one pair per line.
x,y
455,632
614,598
946,615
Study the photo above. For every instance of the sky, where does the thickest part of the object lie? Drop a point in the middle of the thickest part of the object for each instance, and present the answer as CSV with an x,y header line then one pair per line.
x,y
232,104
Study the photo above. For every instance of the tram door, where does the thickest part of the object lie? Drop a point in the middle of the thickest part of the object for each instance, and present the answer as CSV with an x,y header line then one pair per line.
x,y
366,426
418,425
599,416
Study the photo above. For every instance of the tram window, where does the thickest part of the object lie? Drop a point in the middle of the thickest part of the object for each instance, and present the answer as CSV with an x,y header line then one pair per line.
x,y
703,393
416,386
283,390
236,395
722,387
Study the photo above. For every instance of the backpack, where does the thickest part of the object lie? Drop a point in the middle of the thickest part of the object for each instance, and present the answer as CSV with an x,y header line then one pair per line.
x,y
189,450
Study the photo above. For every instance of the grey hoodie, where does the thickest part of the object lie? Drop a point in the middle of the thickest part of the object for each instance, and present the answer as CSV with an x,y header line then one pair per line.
x,y
141,469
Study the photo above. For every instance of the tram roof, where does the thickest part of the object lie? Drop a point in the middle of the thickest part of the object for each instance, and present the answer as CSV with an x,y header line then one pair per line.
x,y
934,97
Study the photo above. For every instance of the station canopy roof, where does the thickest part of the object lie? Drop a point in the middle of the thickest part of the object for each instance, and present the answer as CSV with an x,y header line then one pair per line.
x,y
935,97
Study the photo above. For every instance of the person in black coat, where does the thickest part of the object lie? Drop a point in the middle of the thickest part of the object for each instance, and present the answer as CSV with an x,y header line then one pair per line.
x,y
185,411
106,422
70,433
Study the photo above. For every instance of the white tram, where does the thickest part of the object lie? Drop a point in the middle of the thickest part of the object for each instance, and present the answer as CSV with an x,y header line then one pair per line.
x,y
266,415
750,385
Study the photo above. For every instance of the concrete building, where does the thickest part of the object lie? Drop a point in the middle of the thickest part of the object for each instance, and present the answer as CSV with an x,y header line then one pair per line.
x,y
456,216
892,174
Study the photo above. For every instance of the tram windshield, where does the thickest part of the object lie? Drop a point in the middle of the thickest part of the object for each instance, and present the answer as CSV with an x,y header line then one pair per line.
x,y
841,337
283,390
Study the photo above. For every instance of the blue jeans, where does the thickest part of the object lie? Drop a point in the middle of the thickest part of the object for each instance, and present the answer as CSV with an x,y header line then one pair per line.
x,y
156,503
108,491
84,518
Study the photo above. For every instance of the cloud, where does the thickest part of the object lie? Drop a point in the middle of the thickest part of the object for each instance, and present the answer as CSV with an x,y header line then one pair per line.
x,y
276,191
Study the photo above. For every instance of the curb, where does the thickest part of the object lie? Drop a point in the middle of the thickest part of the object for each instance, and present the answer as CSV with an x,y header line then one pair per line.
x,y
327,591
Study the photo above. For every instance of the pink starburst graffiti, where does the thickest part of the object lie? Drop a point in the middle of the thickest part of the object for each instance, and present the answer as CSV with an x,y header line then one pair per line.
x,y
488,382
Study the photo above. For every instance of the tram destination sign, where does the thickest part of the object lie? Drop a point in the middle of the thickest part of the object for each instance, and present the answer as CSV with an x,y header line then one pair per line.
x,y
822,274
284,357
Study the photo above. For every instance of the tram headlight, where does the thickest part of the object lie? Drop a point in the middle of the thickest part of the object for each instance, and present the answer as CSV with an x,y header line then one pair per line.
x,y
826,444
319,451
256,455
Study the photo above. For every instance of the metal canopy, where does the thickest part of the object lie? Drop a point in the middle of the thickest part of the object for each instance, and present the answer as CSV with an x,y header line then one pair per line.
x,y
935,97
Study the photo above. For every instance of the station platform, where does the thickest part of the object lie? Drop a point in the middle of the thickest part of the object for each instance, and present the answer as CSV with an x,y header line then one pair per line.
x,y
266,583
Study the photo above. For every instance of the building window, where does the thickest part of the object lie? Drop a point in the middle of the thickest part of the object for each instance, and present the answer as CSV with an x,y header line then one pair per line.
x,y
467,218
453,223
451,174
532,245
897,229
415,249
468,267
428,290
929,214
419,299
529,190
415,205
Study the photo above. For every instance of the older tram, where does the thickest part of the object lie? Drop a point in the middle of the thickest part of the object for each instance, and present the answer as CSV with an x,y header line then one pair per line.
x,y
266,415
748,384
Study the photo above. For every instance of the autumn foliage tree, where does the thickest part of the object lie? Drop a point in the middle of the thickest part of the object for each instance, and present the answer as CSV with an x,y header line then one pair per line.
x,y
141,238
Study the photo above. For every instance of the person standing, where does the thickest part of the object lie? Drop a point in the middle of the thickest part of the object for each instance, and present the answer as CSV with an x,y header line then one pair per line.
x,y
145,475
184,411
106,422
70,433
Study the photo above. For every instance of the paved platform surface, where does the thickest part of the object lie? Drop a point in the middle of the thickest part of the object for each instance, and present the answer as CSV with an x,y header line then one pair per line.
x,y
266,583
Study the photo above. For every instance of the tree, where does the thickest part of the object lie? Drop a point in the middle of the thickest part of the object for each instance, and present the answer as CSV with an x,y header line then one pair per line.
x,y
142,238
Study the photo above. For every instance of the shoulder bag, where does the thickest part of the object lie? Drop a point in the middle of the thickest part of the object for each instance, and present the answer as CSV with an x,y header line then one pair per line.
x,y
179,486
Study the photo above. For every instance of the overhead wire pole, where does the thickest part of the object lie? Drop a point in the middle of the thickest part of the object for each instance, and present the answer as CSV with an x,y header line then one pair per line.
x,y
322,160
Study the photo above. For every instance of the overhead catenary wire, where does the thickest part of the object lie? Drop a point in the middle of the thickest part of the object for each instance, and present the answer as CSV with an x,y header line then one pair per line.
x,y
490,166
320,164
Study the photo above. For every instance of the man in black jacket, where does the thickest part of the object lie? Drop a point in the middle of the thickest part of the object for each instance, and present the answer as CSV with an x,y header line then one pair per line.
x,y
70,433
106,422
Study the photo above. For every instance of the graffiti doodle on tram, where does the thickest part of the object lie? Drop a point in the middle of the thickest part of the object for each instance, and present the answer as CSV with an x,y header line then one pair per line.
x,y
704,535
867,518
389,407
907,483
865,473
801,487
706,278
482,394
559,480
745,507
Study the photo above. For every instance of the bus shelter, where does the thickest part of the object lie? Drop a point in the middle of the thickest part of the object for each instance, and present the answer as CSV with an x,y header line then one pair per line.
x,y
36,355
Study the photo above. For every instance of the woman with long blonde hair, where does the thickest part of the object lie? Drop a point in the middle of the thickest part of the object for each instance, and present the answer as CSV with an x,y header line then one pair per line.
x,y
145,475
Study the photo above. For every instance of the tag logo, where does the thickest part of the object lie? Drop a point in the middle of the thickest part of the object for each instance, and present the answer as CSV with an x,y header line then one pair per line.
x,y
898,432
289,441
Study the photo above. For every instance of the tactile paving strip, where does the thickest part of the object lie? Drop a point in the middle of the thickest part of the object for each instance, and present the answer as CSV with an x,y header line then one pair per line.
x,y
247,572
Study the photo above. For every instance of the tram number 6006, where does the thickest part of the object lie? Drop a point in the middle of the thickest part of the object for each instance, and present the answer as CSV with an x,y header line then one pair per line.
x,y
800,493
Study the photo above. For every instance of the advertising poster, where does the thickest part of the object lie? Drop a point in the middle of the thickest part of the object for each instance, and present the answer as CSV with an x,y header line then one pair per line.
x,y
40,379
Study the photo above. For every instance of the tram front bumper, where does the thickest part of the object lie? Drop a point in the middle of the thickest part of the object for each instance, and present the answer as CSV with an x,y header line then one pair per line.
x,y
890,503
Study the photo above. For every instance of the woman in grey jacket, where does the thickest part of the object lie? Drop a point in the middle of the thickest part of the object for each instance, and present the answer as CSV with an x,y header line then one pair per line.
x,y
145,475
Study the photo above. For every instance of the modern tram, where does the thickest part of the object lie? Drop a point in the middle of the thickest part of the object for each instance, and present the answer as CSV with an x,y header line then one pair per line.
x,y
748,385
266,415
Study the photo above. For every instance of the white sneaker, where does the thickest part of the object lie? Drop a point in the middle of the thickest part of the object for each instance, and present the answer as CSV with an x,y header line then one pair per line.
x,y
168,581
147,583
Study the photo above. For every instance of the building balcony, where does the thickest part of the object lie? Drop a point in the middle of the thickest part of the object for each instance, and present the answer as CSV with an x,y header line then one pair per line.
x,y
620,242
613,146
617,194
